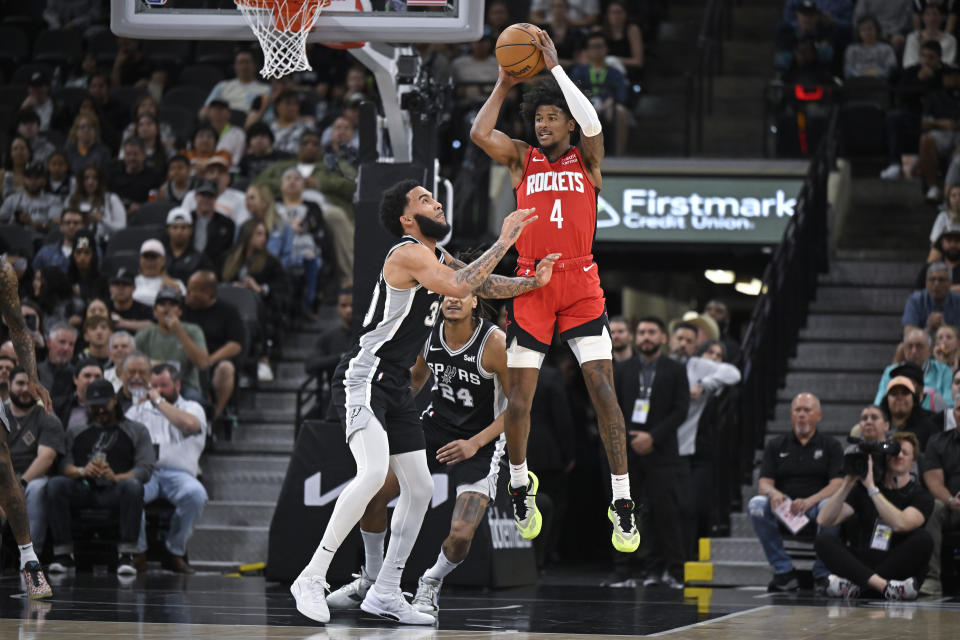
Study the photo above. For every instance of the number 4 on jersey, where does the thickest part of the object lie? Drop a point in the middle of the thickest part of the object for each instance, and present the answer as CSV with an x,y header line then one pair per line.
x,y
557,215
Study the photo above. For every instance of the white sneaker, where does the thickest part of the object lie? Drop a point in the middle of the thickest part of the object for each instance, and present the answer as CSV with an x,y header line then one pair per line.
x,y
838,587
264,373
933,194
350,595
900,590
393,606
892,172
310,592
428,592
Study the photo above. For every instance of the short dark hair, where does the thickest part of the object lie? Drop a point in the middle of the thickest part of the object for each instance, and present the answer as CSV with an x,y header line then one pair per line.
x,y
260,129
686,325
899,436
546,92
595,35
621,320
17,369
87,362
159,369
654,320
205,126
27,115
393,203
135,142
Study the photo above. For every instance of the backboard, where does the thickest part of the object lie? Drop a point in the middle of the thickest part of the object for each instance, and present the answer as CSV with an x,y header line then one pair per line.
x,y
394,21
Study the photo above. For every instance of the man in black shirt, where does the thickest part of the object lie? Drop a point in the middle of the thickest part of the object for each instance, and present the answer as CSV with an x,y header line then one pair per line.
x,y
127,314
183,259
334,342
132,178
889,548
56,372
222,330
803,466
941,474
73,411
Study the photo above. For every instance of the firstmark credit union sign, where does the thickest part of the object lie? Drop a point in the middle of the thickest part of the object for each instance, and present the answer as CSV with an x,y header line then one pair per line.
x,y
695,209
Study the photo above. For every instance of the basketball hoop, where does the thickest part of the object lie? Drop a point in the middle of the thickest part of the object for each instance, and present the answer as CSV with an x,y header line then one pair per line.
x,y
282,27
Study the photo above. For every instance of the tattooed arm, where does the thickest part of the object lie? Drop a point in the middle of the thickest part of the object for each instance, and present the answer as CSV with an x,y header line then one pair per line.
x,y
496,286
19,335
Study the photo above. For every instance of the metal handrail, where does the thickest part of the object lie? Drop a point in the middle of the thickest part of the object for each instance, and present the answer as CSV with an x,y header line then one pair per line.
x,y
714,28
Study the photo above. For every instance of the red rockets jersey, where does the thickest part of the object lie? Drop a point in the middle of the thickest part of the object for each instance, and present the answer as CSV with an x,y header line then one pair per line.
x,y
566,202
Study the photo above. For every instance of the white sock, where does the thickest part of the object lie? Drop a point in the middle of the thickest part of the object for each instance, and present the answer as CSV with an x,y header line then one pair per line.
x,y
373,550
518,475
27,554
621,486
442,568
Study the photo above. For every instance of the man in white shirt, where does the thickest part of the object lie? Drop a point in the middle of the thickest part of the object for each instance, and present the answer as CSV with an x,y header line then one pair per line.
x,y
232,139
240,92
177,429
229,201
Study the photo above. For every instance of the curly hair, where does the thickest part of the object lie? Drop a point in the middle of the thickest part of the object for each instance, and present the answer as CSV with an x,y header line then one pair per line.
x,y
546,92
392,204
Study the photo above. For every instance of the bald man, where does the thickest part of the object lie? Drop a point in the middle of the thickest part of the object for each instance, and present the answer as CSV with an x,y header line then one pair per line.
x,y
804,467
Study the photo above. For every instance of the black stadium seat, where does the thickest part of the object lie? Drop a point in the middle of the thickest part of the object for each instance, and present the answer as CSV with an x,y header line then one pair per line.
x,y
58,46
247,306
23,72
130,238
190,98
103,46
200,75
151,214
126,96
14,46
13,96
215,52
15,236
182,120
166,52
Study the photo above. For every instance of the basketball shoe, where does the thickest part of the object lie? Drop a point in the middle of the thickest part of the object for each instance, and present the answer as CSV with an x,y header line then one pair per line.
x,y
525,513
625,537
309,592
350,595
36,582
393,606
428,592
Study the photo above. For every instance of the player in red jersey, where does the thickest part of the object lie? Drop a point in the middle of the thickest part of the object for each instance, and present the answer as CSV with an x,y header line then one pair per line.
x,y
562,181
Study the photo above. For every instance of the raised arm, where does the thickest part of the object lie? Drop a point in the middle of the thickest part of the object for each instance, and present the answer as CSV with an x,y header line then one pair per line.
x,y
496,286
19,334
498,145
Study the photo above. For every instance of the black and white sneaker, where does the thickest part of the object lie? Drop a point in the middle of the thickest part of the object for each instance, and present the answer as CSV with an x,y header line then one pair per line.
x,y
126,565
62,563
900,590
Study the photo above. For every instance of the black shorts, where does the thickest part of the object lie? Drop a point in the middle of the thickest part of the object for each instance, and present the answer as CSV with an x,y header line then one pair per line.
x,y
390,401
478,474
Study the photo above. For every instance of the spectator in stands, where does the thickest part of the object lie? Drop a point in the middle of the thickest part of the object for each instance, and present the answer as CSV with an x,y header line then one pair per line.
x,y
230,139
240,91
873,425
894,17
34,443
82,16
250,265
223,333
153,275
146,105
945,239
652,390
204,148
126,313
932,19
310,246
802,466
809,27
341,154
891,548
182,257
622,338
288,125
73,411
32,207
83,268
96,333
110,113
132,179
934,305
15,161
624,39
261,205
28,126
717,309
333,342
134,377
174,341
263,108
917,350
34,320
56,372
941,114
498,17
7,351
940,467
836,13
59,181
102,209
946,347
120,346
903,122
476,73
226,200
157,153
6,367
177,428
337,194
870,57
83,144
213,231
582,13
568,38
351,111
609,90
260,151
106,464
949,9
38,98
54,295
57,254
901,404
130,66
179,181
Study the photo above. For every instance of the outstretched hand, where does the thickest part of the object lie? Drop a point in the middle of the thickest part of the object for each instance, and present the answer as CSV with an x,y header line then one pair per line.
x,y
548,49
545,268
514,223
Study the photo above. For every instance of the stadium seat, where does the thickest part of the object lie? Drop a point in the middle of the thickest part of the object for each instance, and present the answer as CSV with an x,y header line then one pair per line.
x,y
58,46
151,214
18,237
238,118
103,46
200,75
190,98
166,52
181,120
247,305
862,126
867,90
126,96
70,97
214,52
12,96
23,72
130,239
14,46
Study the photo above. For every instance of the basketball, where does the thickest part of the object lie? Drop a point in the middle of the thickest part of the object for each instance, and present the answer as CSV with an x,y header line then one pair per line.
x,y
517,50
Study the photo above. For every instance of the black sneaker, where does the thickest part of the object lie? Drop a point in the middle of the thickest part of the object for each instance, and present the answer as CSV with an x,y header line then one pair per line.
x,y
126,566
820,586
62,563
784,582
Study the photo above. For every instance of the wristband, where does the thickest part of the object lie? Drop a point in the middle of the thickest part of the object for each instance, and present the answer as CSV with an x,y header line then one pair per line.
x,y
873,492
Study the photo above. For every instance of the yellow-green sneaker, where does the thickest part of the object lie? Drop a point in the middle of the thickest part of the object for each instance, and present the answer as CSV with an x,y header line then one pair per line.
x,y
625,538
525,513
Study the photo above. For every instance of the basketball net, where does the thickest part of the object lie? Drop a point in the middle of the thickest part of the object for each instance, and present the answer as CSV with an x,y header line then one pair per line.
x,y
282,27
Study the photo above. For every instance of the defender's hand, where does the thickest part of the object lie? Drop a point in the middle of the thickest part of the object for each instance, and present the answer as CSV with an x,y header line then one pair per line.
x,y
514,223
457,451
545,269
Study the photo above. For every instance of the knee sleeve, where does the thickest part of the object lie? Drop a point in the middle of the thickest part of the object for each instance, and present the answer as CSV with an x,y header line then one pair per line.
x,y
519,357
372,455
587,348
414,477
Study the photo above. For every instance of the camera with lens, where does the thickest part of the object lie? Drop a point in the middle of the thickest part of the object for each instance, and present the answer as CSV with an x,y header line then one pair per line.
x,y
855,456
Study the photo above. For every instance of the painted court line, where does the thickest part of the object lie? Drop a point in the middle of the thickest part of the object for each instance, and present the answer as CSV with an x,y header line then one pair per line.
x,y
729,616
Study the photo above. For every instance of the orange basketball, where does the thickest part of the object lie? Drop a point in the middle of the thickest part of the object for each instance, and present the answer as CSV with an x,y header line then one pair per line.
x,y
517,51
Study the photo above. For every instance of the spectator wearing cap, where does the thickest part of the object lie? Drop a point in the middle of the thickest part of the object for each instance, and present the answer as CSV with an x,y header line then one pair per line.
x,y
227,200
83,268
57,254
288,125
213,232
836,13
73,410
931,28
895,19
32,207
945,241
179,181
38,98
107,461
153,274
84,146
239,92
131,178
261,151
231,139
333,192
177,428
934,377
174,341
182,258
28,126
808,25
901,406
126,313
203,148
935,304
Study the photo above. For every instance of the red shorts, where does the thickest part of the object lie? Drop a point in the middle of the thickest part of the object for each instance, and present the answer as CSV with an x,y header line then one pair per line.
x,y
573,302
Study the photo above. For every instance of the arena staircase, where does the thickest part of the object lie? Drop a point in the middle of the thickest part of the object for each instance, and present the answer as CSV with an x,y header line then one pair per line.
x,y
850,336
243,475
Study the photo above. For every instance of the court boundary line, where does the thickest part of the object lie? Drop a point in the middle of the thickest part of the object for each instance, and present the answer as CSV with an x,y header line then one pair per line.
x,y
729,616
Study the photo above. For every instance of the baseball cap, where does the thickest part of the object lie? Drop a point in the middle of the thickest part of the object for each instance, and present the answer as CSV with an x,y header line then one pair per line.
x,y
951,228
217,160
179,214
35,168
38,79
217,102
99,393
206,187
901,381
122,276
168,293
152,246
808,6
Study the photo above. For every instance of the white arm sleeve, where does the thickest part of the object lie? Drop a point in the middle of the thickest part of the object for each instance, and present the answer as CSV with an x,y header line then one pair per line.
x,y
580,106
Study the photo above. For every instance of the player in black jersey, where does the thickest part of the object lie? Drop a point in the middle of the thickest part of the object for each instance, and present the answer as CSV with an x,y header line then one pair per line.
x,y
371,387
463,427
